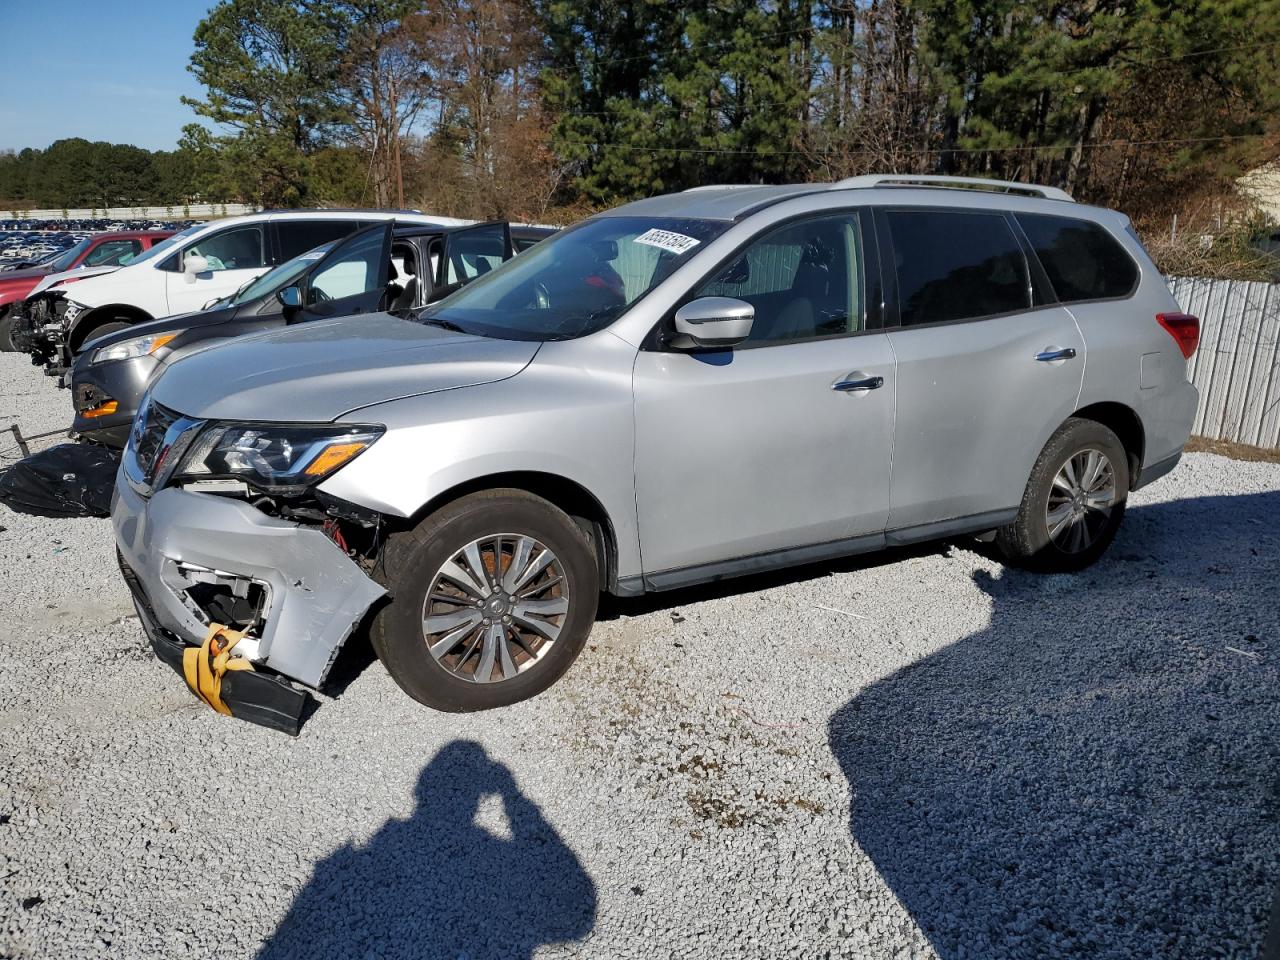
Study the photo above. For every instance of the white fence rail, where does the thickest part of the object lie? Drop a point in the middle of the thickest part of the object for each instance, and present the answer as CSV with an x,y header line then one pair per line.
x,y
1237,368
190,211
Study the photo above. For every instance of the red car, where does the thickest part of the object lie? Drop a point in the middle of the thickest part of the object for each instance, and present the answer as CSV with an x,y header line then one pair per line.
x,y
99,250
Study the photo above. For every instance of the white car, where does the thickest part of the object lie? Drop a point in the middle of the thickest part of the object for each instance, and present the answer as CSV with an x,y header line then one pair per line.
x,y
198,266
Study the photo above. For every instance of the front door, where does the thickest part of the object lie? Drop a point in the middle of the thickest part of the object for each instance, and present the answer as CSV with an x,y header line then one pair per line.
x,y
352,278
986,369
232,256
783,441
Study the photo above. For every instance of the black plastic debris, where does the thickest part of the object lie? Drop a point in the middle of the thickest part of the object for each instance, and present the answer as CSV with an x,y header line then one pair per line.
x,y
69,480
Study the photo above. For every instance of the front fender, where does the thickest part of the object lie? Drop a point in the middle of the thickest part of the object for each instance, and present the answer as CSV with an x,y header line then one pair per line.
x,y
568,415
80,329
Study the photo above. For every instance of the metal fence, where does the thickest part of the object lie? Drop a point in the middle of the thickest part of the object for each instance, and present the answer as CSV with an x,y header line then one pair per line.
x,y
1237,368
198,211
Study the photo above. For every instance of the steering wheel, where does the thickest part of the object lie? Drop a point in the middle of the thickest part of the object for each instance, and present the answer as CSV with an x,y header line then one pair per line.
x,y
541,295
317,295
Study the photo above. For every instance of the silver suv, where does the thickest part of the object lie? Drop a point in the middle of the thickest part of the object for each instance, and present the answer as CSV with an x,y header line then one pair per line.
x,y
683,389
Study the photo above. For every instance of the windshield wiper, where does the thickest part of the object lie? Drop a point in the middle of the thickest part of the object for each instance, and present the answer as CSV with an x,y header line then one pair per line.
x,y
442,323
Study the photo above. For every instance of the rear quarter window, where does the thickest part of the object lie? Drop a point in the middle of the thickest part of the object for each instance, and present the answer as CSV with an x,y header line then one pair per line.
x,y
1083,260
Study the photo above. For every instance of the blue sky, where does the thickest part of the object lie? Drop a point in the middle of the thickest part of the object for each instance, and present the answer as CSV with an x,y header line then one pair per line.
x,y
96,69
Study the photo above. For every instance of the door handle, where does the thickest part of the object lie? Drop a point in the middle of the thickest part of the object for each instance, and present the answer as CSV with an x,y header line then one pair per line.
x,y
1056,353
855,383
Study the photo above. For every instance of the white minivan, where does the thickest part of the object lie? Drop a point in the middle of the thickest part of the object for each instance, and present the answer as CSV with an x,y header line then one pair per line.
x,y
193,269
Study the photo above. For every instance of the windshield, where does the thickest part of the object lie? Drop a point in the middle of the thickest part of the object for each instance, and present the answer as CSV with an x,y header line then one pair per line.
x,y
164,246
577,282
68,256
281,276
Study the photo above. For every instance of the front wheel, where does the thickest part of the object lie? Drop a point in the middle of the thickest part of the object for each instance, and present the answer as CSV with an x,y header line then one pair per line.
x,y
6,330
111,326
1073,503
493,597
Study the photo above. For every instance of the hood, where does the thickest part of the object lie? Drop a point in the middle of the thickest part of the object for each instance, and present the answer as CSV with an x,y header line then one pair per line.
x,y
320,370
177,322
17,284
32,267
29,274
80,273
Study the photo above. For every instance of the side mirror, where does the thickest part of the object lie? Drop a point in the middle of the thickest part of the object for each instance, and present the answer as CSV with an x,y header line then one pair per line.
x,y
193,264
713,322
290,298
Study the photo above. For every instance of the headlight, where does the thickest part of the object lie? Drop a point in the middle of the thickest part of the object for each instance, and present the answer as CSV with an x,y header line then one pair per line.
x,y
130,349
277,459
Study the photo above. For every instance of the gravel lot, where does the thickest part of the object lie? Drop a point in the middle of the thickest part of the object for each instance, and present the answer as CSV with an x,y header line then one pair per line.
x,y
918,754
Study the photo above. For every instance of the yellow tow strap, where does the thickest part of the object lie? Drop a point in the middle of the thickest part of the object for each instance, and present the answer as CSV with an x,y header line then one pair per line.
x,y
205,665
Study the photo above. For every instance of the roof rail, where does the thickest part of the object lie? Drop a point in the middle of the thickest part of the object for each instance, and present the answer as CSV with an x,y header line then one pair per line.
x,y
959,183
723,186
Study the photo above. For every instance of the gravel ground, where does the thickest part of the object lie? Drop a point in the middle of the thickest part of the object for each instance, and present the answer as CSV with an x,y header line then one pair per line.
x,y
918,754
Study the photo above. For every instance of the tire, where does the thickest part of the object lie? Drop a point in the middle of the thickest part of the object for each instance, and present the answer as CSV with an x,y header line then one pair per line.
x,y
111,326
413,563
6,331
1087,530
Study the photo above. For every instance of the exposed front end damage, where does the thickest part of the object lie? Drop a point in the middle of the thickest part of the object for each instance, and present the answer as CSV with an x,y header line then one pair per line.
x,y
38,329
201,558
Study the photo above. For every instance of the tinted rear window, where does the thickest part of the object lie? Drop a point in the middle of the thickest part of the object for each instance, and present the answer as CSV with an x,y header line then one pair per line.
x,y
956,266
299,236
1083,261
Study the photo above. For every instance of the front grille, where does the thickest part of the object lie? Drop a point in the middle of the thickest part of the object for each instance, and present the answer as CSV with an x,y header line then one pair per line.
x,y
149,438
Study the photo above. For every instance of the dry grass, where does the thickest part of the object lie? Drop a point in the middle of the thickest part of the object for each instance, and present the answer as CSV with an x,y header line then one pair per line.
x,y
1236,451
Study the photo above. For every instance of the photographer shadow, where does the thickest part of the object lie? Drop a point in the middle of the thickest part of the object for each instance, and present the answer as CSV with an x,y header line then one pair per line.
x,y
440,885
1095,773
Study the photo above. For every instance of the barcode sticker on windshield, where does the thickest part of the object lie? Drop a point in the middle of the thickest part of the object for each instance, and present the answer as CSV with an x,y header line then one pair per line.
x,y
677,243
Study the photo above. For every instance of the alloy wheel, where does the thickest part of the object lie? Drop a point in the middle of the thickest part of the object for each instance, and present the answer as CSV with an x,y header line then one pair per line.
x,y
495,608
1080,501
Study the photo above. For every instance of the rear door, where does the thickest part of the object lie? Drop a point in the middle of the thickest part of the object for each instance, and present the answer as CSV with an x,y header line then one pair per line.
x,y
472,252
988,365
352,278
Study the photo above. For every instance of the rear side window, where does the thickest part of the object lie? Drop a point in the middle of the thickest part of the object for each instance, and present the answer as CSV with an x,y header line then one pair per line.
x,y
475,252
299,236
1083,261
956,266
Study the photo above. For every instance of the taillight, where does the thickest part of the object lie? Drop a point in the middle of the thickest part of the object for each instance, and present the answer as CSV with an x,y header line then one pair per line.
x,y
1184,328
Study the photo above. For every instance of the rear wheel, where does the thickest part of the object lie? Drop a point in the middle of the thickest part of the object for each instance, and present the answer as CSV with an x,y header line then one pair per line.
x,y
1073,503
493,597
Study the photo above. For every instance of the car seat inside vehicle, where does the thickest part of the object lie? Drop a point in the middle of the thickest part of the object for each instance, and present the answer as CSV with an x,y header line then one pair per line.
x,y
404,297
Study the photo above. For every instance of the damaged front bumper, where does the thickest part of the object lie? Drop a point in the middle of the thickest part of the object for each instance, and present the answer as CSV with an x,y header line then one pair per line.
x,y
105,396
38,330
192,558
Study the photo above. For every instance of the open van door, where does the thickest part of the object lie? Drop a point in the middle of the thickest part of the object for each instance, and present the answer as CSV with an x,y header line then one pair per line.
x,y
352,278
468,253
